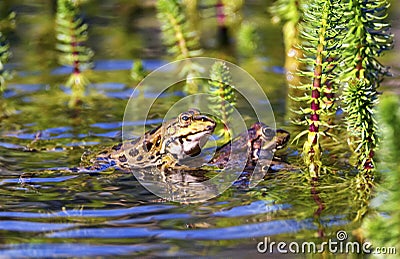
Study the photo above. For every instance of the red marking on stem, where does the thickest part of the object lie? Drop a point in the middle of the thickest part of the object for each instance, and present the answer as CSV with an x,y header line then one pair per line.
x,y
315,94
220,13
314,117
313,128
314,105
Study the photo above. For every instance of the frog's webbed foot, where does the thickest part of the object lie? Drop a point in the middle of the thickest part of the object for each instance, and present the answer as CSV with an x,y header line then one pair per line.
x,y
170,168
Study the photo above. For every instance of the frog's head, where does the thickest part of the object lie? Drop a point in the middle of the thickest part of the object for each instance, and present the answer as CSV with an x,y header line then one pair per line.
x,y
264,141
274,139
185,135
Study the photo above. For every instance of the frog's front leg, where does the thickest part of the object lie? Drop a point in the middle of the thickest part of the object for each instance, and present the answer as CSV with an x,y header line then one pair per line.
x,y
169,163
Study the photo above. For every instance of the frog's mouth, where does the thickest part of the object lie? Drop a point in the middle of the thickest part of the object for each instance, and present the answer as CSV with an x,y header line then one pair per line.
x,y
192,143
196,141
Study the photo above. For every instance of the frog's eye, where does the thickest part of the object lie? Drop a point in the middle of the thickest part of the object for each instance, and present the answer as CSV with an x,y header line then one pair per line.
x,y
185,118
268,132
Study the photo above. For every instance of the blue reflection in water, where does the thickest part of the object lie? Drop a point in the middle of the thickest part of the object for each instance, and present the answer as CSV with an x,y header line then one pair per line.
x,y
253,208
40,180
112,65
90,213
236,232
262,229
74,250
26,226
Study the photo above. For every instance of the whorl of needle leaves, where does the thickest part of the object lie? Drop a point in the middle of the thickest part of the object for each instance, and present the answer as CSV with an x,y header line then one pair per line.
x,y
320,40
71,33
368,36
222,95
180,38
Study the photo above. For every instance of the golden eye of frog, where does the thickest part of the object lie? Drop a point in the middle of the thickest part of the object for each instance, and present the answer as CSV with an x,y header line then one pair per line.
x,y
163,146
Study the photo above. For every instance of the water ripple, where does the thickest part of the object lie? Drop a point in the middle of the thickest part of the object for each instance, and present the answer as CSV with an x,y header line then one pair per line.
x,y
257,207
74,250
26,226
90,213
235,232
40,180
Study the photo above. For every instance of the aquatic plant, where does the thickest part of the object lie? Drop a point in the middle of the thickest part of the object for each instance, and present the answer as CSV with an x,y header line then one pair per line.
x,y
288,12
222,99
5,52
137,72
367,38
179,37
319,42
6,24
384,230
71,33
247,39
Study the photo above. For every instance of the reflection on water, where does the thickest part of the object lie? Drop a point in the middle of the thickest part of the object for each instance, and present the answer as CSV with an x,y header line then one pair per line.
x,y
47,212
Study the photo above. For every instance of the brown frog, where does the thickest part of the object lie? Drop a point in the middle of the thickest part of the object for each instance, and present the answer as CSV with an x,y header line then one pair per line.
x,y
163,146
261,143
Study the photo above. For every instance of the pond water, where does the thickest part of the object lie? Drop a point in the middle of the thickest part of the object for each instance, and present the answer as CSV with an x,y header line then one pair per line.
x,y
48,212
